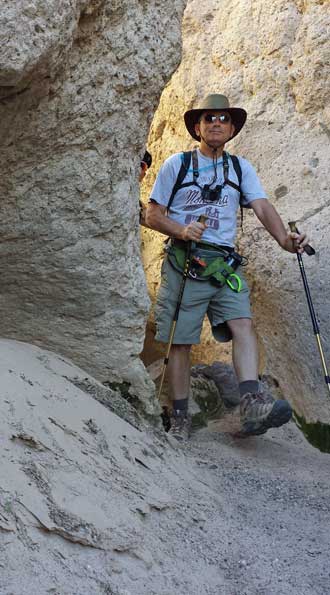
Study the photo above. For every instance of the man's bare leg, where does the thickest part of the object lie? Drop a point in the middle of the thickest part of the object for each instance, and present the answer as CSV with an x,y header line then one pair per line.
x,y
178,373
258,411
244,349
179,383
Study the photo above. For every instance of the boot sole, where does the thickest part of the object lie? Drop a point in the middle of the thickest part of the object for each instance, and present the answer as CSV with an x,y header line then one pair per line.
x,y
279,415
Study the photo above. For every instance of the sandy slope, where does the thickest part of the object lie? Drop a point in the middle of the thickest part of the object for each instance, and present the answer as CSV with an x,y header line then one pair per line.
x,y
90,504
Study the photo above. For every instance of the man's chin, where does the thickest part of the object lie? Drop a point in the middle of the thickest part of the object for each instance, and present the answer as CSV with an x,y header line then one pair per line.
x,y
216,143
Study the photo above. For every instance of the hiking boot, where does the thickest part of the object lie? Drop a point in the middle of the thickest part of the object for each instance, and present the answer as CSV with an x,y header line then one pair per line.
x,y
180,426
260,411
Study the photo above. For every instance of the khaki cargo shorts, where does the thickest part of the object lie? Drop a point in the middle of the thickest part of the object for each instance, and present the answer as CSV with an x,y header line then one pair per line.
x,y
199,298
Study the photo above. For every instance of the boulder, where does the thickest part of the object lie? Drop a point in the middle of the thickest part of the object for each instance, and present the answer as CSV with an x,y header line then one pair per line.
x,y
79,82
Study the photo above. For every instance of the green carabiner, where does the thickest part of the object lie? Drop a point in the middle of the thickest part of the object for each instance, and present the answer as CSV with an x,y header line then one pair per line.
x,y
238,288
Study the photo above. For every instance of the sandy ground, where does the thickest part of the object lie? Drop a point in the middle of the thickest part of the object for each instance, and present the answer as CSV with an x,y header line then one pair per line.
x,y
90,504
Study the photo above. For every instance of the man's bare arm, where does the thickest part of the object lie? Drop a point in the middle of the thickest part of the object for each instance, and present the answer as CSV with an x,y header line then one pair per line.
x,y
157,219
271,220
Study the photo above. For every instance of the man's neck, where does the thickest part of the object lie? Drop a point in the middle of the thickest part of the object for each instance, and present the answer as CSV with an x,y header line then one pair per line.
x,y
208,151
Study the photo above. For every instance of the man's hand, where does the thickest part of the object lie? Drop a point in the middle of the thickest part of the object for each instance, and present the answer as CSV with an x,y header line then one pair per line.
x,y
193,231
295,242
157,219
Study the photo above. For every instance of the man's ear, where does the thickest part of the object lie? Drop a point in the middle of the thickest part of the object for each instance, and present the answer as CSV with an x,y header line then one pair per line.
x,y
232,131
197,129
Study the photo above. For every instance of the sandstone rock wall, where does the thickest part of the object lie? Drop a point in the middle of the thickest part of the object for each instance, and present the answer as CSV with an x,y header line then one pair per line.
x,y
79,82
273,58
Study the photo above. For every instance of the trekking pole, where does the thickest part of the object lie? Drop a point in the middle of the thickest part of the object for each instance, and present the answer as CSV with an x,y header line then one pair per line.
x,y
310,251
201,219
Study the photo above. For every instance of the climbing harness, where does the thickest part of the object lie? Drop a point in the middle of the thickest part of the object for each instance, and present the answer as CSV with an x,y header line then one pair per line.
x,y
209,262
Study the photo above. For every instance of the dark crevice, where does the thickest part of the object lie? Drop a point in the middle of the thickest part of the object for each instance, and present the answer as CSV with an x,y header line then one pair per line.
x,y
9,93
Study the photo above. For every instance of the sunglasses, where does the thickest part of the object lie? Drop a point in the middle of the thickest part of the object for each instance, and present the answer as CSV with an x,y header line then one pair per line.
x,y
211,118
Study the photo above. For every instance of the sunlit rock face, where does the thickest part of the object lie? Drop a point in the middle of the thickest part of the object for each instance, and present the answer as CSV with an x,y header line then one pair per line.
x,y
272,58
79,83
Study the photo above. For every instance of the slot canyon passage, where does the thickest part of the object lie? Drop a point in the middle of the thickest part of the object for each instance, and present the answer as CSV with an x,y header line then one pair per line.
x,y
93,497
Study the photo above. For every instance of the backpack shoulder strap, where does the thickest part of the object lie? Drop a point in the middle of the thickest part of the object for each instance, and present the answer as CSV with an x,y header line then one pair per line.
x,y
237,168
238,171
181,175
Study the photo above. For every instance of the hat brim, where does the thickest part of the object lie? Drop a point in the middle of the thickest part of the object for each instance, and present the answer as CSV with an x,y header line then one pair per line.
x,y
238,118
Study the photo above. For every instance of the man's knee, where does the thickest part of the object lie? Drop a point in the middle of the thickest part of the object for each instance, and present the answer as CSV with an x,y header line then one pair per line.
x,y
240,326
180,348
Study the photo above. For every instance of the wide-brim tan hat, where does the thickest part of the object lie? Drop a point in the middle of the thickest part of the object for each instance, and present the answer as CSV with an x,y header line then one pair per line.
x,y
215,102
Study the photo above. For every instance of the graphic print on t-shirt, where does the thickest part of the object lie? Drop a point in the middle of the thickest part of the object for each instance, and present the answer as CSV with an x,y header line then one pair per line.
x,y
188,205
193,200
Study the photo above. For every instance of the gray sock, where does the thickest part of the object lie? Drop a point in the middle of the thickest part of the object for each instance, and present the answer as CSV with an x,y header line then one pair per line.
x,y
248,386
180,405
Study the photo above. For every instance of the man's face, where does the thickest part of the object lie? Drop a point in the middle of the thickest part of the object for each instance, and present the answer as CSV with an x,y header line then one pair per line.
x,y
215,127
143,170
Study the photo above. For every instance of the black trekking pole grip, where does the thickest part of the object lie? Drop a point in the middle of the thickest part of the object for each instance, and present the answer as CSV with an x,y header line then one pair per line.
x,y
311,306
308,249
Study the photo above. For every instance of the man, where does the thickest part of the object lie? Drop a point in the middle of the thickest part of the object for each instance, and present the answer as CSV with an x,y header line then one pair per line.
x,y
210,188
144,166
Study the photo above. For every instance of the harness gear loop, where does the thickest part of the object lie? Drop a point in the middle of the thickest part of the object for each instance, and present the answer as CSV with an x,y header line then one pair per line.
x,y
238,280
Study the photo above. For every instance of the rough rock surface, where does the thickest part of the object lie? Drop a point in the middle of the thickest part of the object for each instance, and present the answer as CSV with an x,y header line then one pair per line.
x,y
272,58
79,82
90,504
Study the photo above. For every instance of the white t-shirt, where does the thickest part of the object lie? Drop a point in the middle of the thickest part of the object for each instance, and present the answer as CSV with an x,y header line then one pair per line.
x,y
188,203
